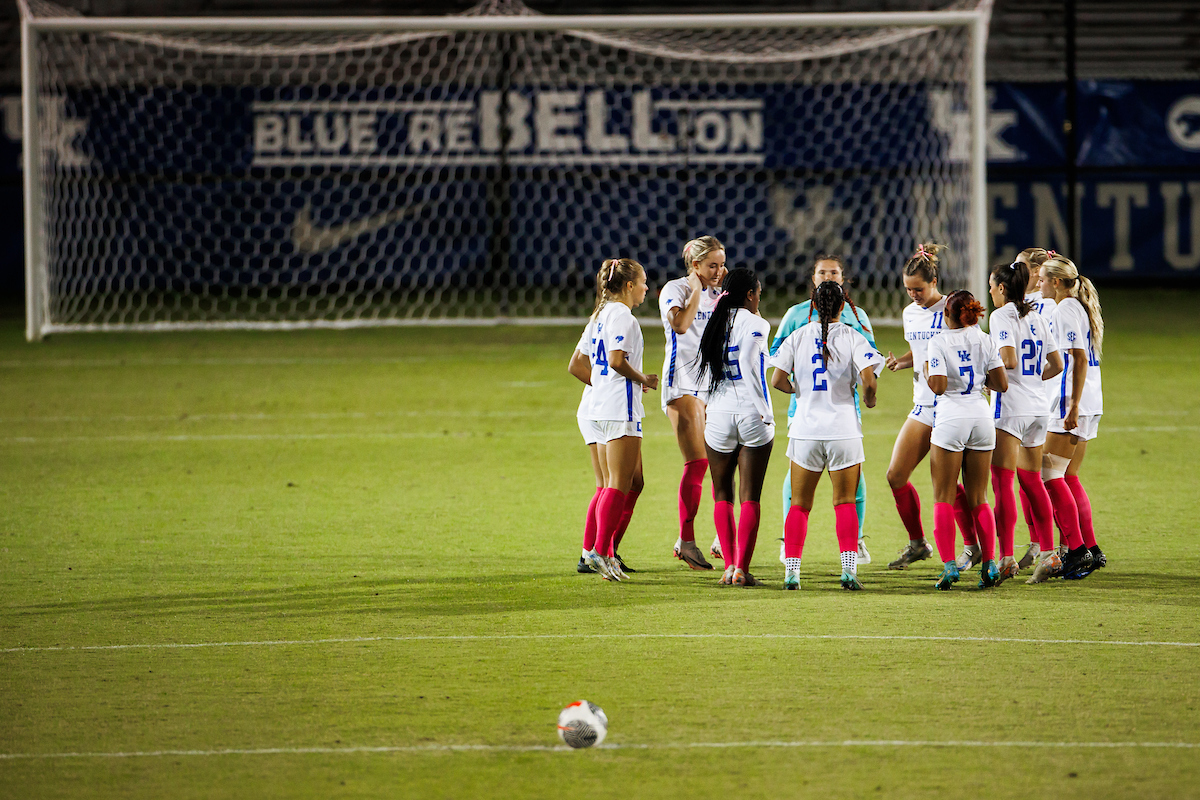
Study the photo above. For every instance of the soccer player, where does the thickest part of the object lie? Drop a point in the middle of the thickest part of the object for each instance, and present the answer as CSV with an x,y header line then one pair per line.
x,y
1079,329
822,365
923,320
827,268
580,366
1030,356
685,305
740,424
961,362
615,403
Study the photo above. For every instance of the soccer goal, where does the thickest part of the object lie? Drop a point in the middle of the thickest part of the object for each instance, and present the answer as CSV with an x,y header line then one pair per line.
x,y
472,169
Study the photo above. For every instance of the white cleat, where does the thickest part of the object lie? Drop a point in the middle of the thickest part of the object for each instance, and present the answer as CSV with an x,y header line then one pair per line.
x,y
715,550
970,557
1032,552
782,559
597,562
863,556
614,569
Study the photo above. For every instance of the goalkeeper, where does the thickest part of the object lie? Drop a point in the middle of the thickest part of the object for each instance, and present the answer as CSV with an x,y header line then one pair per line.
x,y
828,268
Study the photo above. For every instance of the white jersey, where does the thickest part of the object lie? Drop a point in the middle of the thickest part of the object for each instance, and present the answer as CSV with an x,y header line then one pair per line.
x,y
1073,332
585,347
825,388
613,396
1042,305
964,356
744,389
1030,336
679,364
921,326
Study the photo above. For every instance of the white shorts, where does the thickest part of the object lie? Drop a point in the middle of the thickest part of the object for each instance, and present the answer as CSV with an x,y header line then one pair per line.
x,y
610,429
590,430
1030,430
723,432
971,433
671,393
816,455
1087,429
926,415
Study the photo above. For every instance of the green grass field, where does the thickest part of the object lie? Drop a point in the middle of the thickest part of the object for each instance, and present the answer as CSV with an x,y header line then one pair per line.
x,y
369,537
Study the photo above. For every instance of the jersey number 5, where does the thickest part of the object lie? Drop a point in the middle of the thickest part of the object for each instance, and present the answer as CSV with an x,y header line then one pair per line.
x,y
733,370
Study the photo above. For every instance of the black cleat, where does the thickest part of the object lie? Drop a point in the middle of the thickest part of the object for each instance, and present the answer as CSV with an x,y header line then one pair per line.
x,y
583,569
624,566
1077,564
1099,560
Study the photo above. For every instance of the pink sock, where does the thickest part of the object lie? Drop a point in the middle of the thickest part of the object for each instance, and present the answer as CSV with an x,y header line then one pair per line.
x,y
943,530
691,486
1041,518
795,530
1066,513
908,503
609,511
747,533
592,522
1027,510
845,523
626,515
726,532
985,526
1006,509
1084,504
962,514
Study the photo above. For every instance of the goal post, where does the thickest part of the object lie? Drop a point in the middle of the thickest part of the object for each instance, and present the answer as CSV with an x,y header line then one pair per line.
x,y
279,173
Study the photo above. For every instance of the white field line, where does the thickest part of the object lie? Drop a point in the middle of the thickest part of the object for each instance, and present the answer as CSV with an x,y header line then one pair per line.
x,y
485,748
443,434
564,636
105,363
261,417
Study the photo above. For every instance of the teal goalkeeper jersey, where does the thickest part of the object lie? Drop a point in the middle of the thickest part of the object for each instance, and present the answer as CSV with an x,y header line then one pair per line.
x,y
799,315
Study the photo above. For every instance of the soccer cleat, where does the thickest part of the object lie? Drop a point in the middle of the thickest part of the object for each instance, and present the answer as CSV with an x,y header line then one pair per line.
x,y
614,569
727,577
621,561
690,555
739,577
715,550
791,579
678,544
989,575
850,582
1079,567
1049,567
864,557
596,562
914,552
1032,551
782,552
583,567
948,578
1099,560
968,558
1008,569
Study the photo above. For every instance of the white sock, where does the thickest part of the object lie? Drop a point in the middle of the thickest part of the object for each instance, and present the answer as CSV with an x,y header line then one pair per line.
x,y
792,563
850,561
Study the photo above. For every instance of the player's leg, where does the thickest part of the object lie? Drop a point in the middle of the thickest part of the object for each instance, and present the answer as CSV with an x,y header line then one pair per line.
x,y
635,491
912,445
860,510
752,473
1056,458
845,486
1084,504
1004,471
622,456
945,467
975,468
591,522
966,523
687,420
1039,512
795,527
721,467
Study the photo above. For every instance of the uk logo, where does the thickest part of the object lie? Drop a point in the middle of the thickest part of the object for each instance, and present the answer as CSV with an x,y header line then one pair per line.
x,y
964,355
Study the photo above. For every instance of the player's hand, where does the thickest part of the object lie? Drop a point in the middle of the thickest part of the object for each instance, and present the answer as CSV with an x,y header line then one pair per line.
x,y
891,362
651,382
1071,421
694,283
645,389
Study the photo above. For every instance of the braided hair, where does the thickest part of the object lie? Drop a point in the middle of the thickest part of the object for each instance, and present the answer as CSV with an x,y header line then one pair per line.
x,y
845,291
827,301
611,279
738,285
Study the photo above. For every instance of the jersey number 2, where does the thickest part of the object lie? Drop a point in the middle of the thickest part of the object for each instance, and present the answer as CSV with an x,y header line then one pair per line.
x,y
822,385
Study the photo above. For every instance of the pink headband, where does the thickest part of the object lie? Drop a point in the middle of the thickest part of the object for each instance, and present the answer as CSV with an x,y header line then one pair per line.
x,y
1051,253
921,251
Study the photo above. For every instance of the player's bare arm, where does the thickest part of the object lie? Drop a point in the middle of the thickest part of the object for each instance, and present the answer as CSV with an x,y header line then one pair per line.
x,y
581,367
617,361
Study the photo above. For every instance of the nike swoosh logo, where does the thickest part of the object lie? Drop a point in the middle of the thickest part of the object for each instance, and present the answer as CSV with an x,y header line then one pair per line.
x,y
310,238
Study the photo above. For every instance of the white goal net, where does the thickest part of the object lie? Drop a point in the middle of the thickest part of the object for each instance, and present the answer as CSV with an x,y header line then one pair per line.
x,y
475,168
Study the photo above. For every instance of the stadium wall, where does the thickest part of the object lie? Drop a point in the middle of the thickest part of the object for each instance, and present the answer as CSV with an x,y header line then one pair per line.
x,y
1138,170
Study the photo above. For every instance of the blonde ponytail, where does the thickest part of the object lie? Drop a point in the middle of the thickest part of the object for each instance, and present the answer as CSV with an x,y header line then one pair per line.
x,y
1079,287
613,275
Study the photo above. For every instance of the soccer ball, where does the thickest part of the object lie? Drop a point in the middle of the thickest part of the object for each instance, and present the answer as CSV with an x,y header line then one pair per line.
x,y
582,724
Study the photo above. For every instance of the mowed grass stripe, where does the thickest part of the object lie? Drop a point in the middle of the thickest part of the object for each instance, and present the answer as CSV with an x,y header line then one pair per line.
x,y
553,636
